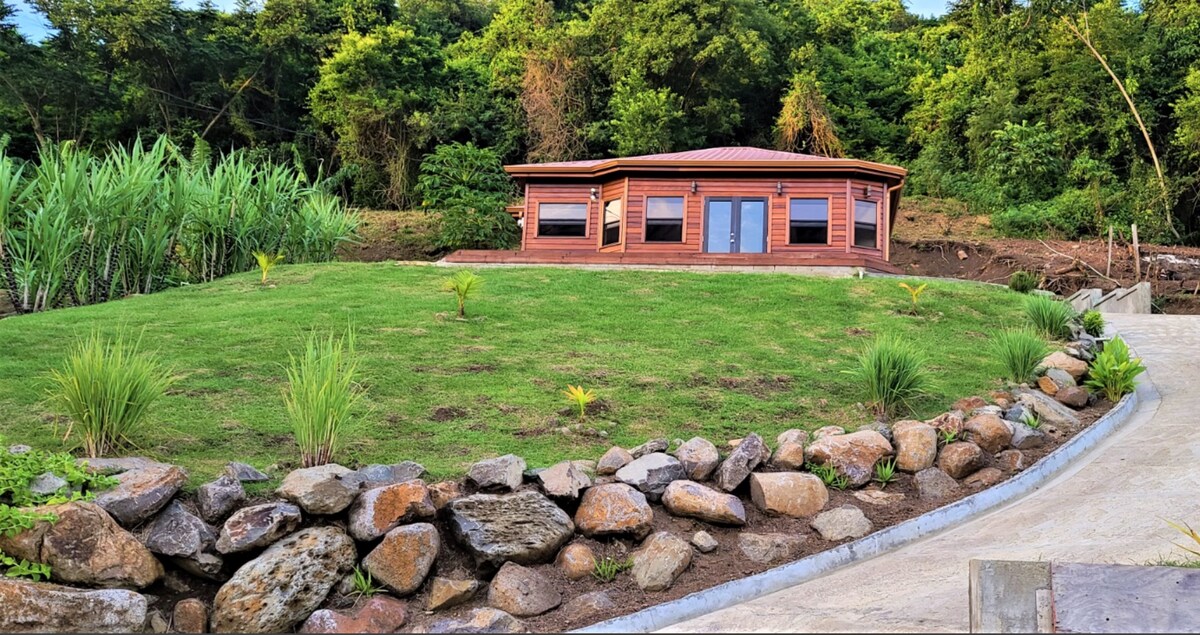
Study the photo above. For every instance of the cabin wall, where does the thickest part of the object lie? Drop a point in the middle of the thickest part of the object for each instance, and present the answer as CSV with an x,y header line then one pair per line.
x,y
537,193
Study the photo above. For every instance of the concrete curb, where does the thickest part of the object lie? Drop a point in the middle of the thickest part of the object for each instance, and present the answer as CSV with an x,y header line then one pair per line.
x,y
878,543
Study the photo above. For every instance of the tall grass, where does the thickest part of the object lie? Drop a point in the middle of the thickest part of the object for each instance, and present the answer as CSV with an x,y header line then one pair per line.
x,y
1020,351
1052,318
891,373
320,395
106,387
78,228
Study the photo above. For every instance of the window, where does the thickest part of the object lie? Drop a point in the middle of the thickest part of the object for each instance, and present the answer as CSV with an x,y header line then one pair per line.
x,y
562,219
612,223
664,219
865,224
808,221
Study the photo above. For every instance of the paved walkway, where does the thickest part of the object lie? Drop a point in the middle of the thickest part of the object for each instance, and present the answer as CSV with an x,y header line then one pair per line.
x,y
1107,508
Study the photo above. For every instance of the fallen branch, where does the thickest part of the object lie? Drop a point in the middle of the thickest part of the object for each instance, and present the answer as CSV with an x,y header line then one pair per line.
x,y
1057,252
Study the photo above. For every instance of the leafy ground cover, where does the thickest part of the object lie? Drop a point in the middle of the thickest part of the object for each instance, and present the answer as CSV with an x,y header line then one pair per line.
x,y
667,354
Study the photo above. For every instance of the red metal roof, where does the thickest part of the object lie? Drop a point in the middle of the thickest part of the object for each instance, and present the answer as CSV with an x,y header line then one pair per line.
x,y
730,154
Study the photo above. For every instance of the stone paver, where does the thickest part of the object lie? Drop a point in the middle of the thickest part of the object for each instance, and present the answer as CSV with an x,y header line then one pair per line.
x,y
1106,508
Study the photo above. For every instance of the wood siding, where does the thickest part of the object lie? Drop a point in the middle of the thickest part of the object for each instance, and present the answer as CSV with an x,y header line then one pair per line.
x,y
537,193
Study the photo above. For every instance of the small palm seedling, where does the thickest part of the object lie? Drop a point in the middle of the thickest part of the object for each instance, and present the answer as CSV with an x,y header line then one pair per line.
x,y
1052,318
464,285
948,436
1023,281
885,472
1093,323
580,397
364,585
891,373
320,394
607,569
1020,351
266,263
1113,372
914,293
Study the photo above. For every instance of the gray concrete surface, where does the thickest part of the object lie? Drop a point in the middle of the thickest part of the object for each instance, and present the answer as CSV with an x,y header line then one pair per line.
x,y
1009,596
1109,507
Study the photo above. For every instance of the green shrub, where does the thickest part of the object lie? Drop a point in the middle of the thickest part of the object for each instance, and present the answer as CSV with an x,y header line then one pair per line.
x,y
891,373
1052,318
320,394
1093,323
106,388
1023,281
1020,351
470,189
1113,372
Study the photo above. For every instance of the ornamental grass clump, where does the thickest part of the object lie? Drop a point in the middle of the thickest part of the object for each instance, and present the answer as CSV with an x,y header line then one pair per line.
x,y
1113,371
1020,351
891,374
320,395
1023,281
106,388
1052,318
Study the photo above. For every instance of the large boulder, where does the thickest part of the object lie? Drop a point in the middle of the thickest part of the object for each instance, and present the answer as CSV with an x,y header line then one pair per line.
x,y
651,474
792,494
525,527
377,475
853,455
446,593
935,485
218,499
614,459
1060,360
842,523
143,487
38,607
325,489
960,458
380,614
916,445
749,454
257,526
770,548
614,509
485,620
376,511
1049,411
522,592
659,561
563,481
284,585
989,432
404,557
699,458
501,473
85,547
693,500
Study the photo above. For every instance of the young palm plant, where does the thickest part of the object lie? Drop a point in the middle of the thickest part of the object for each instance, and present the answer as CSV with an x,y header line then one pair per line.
x,y
464,285
266,263
320,396
914,293
581,398
891,373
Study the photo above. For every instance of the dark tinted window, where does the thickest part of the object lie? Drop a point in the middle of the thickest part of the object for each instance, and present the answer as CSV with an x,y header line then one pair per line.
x,y
808,221
865,220
664,219
562,219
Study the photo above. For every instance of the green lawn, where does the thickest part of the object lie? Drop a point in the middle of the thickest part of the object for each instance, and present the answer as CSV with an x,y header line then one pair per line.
x,y
671,354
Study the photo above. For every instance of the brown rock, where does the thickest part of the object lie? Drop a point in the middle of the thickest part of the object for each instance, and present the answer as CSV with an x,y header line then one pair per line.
x,y
584,607
614,459
612,510
1011,460
842,523
522,592
445,593
769,548
85,547
792,494
989,432
1062,361
788,456
442,493
1073,396
661,559
986,477
563,481
376,511
380,614
935,485
916,445
960,459
39,607
1047,385
141,490
190,616
693,500
404,557
749,454
485,620
576,561
949,422
967,404
879,497
853,455
699,458
827,431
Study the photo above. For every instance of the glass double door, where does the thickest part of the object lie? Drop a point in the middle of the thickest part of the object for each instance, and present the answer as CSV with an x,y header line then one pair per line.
x,y
735,225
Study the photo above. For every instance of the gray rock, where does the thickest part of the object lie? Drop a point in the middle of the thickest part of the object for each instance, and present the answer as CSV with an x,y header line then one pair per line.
x,y
1060,377
1016,412
325,489
659,561
879,426
699,458
245,473
749,454
842,523
649,447
38,607
1025,437
563,481
614,459
525,527
484,620
47,484
501,473
202,565
219,498
377,475
704,542
257,526
651,474
284,585
19,448
156,622
1048,410
769,548
178,532
586,607
522,592
934,484
143,487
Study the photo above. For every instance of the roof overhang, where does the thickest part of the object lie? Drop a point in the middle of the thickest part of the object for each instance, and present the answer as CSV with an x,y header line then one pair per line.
x,y
613,166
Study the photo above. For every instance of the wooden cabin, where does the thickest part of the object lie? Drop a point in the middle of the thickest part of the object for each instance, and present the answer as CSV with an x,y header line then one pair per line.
x,y
719,206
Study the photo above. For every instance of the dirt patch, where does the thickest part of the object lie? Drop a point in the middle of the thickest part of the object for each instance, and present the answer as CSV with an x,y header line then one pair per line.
x,y
393,235
447,413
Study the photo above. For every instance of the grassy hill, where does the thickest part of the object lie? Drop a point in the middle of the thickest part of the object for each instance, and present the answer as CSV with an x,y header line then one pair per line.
x,y
670,354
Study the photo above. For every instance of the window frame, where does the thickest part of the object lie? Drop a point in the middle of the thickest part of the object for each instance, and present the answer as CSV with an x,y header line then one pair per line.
x,y
587,206
854,223
828,220
604,222
646,222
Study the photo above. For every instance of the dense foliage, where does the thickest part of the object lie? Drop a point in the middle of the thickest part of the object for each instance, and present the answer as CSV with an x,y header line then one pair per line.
x,y
1010,106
